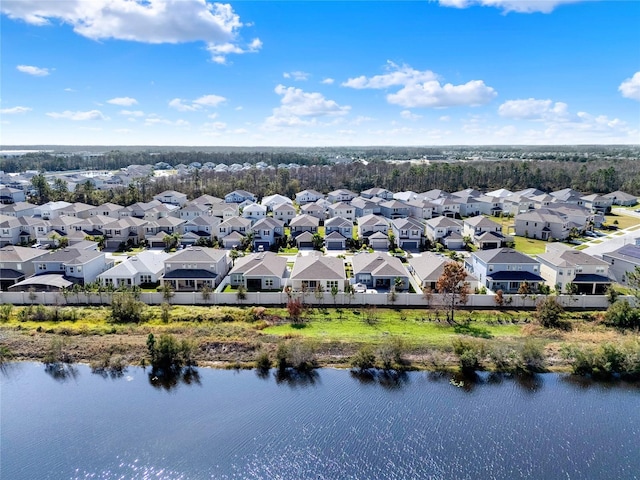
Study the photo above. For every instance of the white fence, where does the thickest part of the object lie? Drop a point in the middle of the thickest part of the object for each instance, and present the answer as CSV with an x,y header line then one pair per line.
x,y
409,300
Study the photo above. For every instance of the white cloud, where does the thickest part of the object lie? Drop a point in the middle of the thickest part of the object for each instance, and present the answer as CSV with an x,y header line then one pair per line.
x,y
124,131
630,88
158,120
148,21
78,116
31,70
533,109
204,101
302,108
407,114
422,89
123,101
15,110
220,51
209,100
434,95
132,113
299,76
69,90
519,6
445,118
398,75
328,81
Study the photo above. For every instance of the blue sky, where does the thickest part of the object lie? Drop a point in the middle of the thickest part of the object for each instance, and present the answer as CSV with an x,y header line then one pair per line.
x,y
319,73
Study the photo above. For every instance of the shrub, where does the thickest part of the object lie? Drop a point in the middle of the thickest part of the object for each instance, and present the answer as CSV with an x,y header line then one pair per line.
x,y
390,354
620,314
532,357
125,308
364,359
469,354
263,362
549,313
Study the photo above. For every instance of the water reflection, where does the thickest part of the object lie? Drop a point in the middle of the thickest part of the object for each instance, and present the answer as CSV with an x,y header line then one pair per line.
x,y
170,379
296,378
586,382
387,379
61,372
112,373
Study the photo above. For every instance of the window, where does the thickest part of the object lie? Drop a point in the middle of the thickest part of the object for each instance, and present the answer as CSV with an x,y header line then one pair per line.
x,y
42,266
268,282
18,266
70,269
118,232
79,269
331,284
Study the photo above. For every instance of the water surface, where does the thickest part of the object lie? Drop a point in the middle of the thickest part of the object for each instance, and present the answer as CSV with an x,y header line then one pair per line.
x,y
331,425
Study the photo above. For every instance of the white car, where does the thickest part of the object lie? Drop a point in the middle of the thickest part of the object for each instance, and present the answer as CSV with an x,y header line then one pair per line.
x,y
359,288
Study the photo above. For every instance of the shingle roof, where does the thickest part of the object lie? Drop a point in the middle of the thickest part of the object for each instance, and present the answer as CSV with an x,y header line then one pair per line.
x,y
503,255
315,267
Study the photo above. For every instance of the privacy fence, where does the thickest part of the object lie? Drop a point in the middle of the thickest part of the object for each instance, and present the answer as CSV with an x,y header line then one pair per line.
x,y
398,300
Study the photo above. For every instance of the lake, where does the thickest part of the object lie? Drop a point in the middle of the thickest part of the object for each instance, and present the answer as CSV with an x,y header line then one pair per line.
x,y
73,424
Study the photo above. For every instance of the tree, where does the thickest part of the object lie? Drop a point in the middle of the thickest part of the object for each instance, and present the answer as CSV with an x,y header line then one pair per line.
x,y
234,254
165,312
167,291
633,280
453,287
125,308
295,308
206,293
41,187
620,314
319,293
241,293
317,241
549,312
334,293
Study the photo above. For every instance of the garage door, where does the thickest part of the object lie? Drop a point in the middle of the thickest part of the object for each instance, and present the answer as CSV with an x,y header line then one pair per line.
x,y
264,245
335,246
306,245
410,245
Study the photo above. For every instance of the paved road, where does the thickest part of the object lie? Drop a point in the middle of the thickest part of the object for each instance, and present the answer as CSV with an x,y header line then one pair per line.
x,y
612,241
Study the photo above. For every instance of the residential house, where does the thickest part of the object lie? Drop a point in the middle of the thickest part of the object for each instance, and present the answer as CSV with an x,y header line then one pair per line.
x,y
127,230
408,233
429,267
144,269
171,197
272,201
17,263
568,195
308,196
393,209
364,206
339,224
284,212
377,192
445,230
562,266
316,271
231,232
50,209
622,198
622,261
543,224
304,240
239,196
194,268
207,200
77,209
378,241
371,224
225,210
192,210
106,210
598,203
18,209
341,195
421,209
342,209
484,233
267,233
263,271
203,227
314,210
447,206
304,223
155,231
11,230
76,266
505,269
11,195
254,212
335,241
380,271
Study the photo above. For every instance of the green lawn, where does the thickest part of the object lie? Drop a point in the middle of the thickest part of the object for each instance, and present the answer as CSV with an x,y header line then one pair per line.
x,y
624,221
415,328
530,246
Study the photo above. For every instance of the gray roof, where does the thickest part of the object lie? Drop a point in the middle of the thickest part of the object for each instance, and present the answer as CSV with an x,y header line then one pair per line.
x,y
378,264
570,258
429,267
503,255
12,253
261,265
197,254
316,267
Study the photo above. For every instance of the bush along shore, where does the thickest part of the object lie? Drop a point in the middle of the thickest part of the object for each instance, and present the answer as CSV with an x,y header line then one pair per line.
x,y
368,340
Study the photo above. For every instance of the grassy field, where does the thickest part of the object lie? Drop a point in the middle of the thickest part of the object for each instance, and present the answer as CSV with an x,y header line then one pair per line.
x,y
624,221
530,246
227,336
